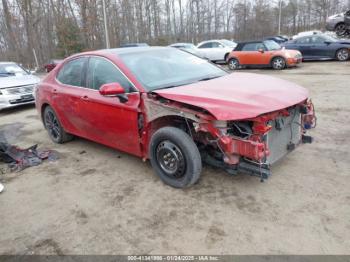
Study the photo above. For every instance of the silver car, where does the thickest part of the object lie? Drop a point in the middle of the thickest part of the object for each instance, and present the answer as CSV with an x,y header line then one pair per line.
x,y
16,85
340,23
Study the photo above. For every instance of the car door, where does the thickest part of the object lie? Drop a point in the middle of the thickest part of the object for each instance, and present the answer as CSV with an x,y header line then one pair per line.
x,y
253,56
106,119
218,51
206,50
66,95
304,46
319,47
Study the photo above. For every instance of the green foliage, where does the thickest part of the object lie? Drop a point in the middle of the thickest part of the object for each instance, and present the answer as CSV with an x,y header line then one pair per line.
x,y
69,38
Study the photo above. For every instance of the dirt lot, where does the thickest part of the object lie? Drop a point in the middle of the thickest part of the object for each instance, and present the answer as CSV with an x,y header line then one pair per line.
x,y
96,200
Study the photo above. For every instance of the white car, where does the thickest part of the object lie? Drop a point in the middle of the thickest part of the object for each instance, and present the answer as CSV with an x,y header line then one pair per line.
x,y
16,85
307,33
216,50
188,47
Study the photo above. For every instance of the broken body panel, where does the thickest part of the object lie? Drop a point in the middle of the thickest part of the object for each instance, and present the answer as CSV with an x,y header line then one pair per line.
x,y
232,119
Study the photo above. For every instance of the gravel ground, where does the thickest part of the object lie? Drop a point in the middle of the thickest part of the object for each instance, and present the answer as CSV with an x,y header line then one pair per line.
x,y
96,200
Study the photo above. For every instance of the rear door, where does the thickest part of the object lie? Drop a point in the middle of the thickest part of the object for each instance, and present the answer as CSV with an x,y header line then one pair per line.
x,y
106,119
66,96
304,46
206,50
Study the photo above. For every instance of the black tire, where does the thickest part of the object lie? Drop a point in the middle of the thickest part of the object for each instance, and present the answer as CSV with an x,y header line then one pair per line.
x,y
175,157
342,54
278,63
340,29
54,127
233,64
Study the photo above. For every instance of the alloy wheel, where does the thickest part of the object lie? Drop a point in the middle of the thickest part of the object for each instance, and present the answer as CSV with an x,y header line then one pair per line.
x,y
233,64
341,30
278,63
343,55
52,125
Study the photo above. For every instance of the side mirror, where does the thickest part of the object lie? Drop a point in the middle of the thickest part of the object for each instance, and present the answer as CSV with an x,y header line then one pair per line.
x,y
327,42
114,89
261,50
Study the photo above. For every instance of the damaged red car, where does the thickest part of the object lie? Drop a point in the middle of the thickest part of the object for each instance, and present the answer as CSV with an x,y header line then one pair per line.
x,y
175,109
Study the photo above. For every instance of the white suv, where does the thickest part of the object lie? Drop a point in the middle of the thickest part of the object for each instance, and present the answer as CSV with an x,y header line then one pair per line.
x,y
216,50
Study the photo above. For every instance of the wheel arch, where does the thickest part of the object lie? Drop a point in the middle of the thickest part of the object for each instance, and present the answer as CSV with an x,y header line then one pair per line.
x,y
172,120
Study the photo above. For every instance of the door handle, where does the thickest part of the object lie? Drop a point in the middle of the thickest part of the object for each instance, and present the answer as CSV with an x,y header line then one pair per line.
x,y
54,91
84,98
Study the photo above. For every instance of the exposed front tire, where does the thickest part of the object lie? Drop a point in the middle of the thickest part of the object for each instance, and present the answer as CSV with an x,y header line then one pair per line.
x,y
233,64
54,127
278,63
175,157
342,54
340,29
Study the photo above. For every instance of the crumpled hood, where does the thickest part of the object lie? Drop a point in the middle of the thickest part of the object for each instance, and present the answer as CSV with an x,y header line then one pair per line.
x,y
11,81
238,95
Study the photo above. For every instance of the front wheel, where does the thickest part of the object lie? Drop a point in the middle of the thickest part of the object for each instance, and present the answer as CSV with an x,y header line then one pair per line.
x,y
233,64
343,54
175,157
278,63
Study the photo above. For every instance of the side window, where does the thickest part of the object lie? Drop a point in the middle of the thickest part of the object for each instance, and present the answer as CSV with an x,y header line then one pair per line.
x,y
72,72
206,45
100,72
216,45
305,40
252,47
317,40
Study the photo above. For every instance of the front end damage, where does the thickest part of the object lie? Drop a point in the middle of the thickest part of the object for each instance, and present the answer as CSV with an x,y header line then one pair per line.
x,y
247,146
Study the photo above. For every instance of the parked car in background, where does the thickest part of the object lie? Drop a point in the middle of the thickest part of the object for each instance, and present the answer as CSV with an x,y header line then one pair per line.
x,y
16,85
188,47
52,64
176,109
320,47
134,45
339,23
266,53
278,39
307,33
216,50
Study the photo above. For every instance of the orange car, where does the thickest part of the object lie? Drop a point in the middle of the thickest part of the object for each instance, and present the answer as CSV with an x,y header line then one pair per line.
x,y
263,54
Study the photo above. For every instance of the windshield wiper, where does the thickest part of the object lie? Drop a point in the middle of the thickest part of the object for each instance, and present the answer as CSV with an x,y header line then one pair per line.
x,y
7,74
208,78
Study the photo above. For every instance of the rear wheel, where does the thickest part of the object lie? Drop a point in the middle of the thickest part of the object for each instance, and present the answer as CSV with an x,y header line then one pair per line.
x,y
233,64
343,54
175,157
340,29
278,63
54,127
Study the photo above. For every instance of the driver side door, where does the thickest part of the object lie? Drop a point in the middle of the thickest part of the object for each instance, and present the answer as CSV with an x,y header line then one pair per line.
x,y
106,119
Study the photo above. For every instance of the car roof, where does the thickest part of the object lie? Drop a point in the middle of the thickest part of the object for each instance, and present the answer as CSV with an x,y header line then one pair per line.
x,y
130,50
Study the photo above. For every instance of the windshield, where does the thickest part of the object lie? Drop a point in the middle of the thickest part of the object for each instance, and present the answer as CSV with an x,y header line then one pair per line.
x,y
228,43
12,69
272,45
158,69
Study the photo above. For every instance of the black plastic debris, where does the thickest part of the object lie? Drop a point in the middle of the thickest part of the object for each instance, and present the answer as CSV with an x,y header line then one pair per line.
x,y
19,159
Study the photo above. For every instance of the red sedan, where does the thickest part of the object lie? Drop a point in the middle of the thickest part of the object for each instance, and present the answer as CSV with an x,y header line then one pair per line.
x,y
51,65
175,109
